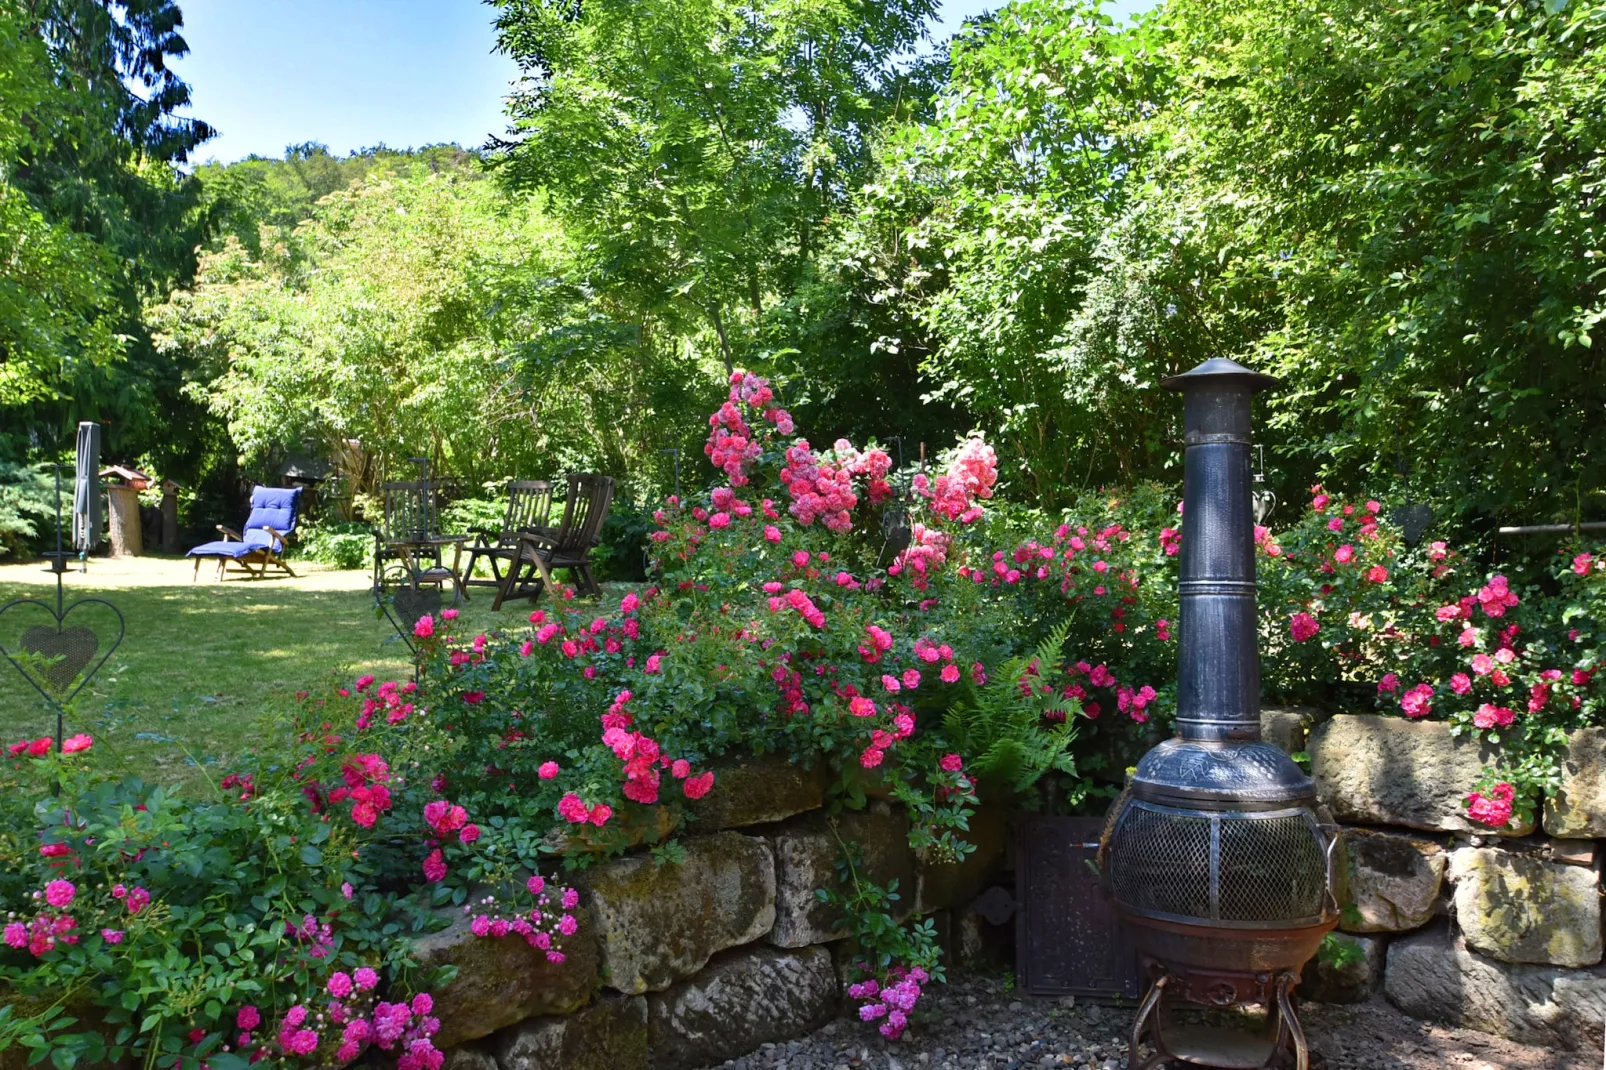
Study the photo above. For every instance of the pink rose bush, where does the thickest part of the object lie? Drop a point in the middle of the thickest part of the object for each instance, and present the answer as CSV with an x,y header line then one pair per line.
x,y
1432,636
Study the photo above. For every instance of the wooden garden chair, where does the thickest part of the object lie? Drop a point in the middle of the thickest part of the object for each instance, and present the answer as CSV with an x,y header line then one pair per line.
x,y
258,544
529,508
567,546
411,535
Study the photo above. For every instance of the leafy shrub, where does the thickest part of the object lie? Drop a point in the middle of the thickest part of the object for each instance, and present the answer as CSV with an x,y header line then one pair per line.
x,y
341,544
623,553
472,514
27,505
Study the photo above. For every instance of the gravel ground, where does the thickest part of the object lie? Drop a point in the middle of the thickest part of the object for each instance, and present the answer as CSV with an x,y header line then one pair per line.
x,y
978,1023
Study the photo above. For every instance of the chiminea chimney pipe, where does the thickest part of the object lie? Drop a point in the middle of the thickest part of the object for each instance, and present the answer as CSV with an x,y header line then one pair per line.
x,y
1218,662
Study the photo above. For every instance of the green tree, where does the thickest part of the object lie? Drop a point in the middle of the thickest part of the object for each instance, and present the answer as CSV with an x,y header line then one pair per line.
x,y
280,193
54,282
697,149
419,313
994,227
1412,192
94,197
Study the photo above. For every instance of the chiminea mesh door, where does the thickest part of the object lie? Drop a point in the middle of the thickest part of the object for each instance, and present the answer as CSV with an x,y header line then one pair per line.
x,y
1226,866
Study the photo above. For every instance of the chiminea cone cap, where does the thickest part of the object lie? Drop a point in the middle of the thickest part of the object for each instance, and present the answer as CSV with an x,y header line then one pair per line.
x,y
1220,368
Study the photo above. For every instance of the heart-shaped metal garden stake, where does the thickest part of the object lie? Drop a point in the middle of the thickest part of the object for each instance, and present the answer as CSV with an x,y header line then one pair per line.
x,y
1413,520
57,660
403,602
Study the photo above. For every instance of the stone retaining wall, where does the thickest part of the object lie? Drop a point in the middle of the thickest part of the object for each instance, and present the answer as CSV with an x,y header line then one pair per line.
x,y
679,965
1457,923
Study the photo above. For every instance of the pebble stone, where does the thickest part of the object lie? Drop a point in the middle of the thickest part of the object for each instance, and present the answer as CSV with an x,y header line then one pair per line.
x,y
975,1023
982,1023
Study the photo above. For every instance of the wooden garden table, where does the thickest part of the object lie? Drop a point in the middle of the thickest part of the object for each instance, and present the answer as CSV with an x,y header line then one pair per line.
x,y
414,551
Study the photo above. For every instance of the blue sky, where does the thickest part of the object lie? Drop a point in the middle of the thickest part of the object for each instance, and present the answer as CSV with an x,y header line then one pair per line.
x,y
353,73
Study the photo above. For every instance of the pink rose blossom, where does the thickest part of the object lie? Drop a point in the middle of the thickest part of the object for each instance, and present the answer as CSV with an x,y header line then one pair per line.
x,y
1303,626
1491,716
1417,702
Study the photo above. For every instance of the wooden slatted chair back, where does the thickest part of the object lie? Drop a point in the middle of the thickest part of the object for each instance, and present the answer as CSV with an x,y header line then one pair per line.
x,y
529,505
409,511
584,511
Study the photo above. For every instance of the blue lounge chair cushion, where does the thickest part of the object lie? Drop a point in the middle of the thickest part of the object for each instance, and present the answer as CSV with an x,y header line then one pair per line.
x,y
271,507
221,548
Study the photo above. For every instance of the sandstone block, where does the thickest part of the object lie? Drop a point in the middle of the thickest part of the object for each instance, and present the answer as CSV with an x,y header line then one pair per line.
x,y
1521,908
1393,881
1353,977
1374,770
1286,726
504,980
1572,852
1434,976
657,923
806,856
610,1034
1577,809
757,791
745,999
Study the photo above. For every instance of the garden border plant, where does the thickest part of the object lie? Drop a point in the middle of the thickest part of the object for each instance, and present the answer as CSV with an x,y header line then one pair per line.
x,y
273,915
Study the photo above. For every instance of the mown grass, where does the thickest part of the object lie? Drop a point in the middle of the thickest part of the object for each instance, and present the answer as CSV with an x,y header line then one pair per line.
x,y
203,663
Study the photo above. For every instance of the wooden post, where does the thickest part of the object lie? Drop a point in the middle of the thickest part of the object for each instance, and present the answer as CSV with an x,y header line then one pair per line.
x,y
122,508
169,516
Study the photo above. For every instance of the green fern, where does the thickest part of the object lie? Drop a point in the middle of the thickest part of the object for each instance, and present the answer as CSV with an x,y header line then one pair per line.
x,y
1002,732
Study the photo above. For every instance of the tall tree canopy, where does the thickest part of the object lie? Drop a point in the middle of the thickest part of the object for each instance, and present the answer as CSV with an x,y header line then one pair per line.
x,y
1414,193
697,149
94,175
418,313
1397,208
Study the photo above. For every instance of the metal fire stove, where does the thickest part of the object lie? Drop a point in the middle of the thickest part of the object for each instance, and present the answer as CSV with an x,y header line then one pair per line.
x,y
1215,855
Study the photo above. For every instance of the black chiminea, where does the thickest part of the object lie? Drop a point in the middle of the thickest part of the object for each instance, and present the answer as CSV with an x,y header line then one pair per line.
x,y
1214,855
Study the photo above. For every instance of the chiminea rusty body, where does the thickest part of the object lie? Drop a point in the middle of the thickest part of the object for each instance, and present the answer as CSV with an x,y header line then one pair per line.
x,y
1214,855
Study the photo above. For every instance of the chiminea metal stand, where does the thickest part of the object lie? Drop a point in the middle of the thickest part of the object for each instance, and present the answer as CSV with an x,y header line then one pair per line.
x,y
1215,855
1220,1047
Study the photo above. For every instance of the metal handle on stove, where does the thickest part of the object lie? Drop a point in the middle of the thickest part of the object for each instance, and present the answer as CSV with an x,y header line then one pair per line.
x,y
1330,887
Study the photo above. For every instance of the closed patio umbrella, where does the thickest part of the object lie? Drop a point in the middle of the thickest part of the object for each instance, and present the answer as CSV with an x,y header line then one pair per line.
x,y
86,499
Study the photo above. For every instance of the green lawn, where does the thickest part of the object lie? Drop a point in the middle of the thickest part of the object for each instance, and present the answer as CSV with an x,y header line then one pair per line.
x,y
202,661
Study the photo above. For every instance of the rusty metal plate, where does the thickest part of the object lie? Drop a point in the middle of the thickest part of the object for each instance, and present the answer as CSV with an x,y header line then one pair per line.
x,y
1068,938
